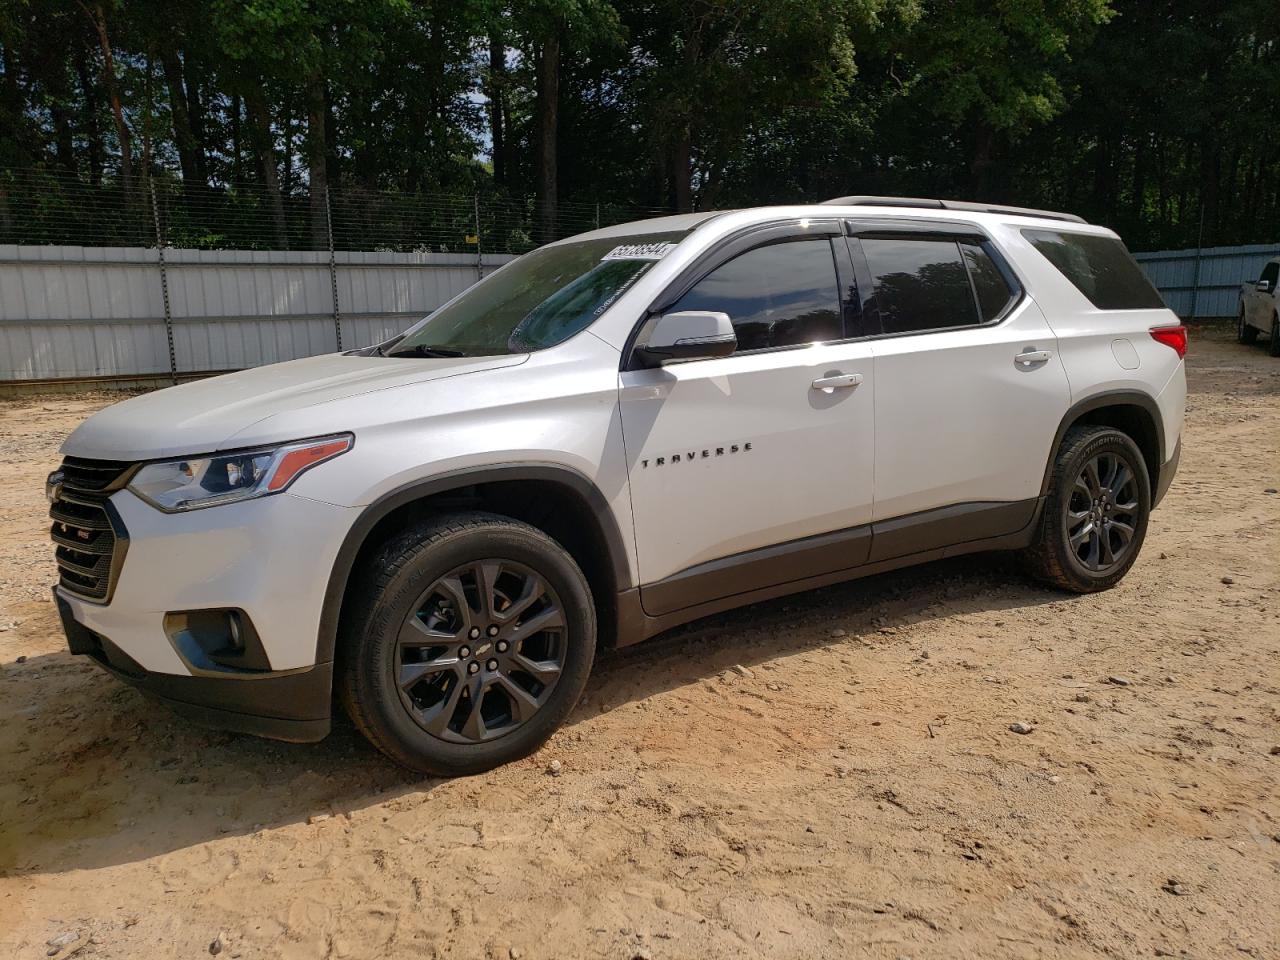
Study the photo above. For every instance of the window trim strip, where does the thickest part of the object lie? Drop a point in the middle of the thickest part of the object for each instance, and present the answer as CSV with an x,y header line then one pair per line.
x,y
923,230
720,253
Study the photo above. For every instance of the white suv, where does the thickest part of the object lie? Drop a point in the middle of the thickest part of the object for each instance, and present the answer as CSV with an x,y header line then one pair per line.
x,y
609,436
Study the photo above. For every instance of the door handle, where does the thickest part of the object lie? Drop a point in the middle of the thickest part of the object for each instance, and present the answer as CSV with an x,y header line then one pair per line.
x,y
1032,356
837,382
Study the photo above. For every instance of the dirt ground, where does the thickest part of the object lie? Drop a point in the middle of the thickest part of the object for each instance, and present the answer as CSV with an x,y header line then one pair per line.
x,y
829,775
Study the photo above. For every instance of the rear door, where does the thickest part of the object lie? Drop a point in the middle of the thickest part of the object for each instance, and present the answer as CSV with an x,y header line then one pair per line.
x,y
739,465
969,388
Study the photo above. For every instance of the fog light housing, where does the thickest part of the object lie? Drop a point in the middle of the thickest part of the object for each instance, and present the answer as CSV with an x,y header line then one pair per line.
x,y
219,641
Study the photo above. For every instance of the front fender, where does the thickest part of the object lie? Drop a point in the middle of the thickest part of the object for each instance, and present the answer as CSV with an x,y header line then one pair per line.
x,y
371,515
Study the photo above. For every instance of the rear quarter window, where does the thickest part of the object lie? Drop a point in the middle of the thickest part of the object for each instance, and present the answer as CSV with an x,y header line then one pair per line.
x,y
1099,267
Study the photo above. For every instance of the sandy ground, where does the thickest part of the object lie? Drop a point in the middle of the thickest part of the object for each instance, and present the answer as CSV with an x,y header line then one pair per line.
x,y
830,775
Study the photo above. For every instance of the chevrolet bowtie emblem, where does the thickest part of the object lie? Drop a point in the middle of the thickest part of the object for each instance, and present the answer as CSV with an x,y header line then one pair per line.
x,y
53,486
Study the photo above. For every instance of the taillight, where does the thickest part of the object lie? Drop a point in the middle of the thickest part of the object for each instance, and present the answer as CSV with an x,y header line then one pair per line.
x,y
1175,337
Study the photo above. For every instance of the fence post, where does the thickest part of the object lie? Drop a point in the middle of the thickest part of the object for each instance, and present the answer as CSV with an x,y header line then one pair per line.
x,y
479,258
164,280
333,268
1195,276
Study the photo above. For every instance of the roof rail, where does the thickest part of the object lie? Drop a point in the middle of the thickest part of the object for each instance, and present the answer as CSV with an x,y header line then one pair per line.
x,y
929,204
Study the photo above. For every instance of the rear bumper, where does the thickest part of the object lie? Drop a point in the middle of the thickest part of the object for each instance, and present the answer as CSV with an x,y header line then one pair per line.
x,y
292,705
1167,473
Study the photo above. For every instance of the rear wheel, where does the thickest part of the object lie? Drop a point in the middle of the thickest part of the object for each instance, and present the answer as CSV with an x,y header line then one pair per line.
x,y
471,642
1273,347
1245,333
1095,516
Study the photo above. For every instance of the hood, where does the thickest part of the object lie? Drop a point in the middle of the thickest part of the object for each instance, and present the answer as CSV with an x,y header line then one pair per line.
x,y
207,415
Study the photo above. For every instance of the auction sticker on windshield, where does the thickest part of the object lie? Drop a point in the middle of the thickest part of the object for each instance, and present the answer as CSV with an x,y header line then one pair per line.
x,y
639,251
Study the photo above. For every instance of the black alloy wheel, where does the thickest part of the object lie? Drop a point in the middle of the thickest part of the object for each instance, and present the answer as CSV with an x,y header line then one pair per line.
x,y
1101,514
469,639
481,651
1095,510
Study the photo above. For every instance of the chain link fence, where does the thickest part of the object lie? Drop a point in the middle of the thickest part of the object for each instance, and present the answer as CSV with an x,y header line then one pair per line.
x,y
52,207
199,279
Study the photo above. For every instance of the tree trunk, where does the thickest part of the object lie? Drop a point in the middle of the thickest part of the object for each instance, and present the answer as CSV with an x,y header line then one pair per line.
x,y
147,99
99,19
236,173
497,93
1229,204
60,101
13,108
6,219
317,161
682,172
681,123
548,109
183,137
195,114
89,117
982,161
1103,175
1162,184
285,123
260,132
1139,198
1210,182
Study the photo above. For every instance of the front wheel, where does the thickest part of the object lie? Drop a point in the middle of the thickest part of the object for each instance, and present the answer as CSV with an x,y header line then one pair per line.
x,y
1273,347
1244,333
470,641
1095,516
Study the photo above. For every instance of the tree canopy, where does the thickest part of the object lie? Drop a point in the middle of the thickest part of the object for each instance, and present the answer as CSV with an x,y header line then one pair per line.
x,y
1155,118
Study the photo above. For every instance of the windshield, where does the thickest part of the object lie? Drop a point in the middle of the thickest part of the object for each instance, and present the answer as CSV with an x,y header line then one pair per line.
x,y
539,300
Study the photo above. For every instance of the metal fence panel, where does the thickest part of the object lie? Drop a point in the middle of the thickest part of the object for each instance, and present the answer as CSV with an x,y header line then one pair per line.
x,y
82,312
1211,287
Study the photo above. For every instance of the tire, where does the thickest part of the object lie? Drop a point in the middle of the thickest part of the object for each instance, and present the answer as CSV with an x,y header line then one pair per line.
x,y
431,606
1074,502
1244,333
1273,347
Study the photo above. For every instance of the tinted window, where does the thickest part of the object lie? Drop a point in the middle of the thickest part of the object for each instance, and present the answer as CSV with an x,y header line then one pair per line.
x,y
1270,272
1099,267
989,284
778,295
919,284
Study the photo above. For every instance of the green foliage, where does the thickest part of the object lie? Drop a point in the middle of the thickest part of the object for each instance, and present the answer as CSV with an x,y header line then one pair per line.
x,y
998,63
1145,116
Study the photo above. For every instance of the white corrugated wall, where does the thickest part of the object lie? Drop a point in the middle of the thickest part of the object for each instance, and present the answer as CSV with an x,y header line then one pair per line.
x,y
1213,290
69,312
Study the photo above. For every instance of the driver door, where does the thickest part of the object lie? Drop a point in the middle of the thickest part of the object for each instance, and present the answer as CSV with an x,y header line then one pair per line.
x,y
756,468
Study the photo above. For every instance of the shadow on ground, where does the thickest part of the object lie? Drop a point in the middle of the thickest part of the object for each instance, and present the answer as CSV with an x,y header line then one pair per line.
x,y
99,774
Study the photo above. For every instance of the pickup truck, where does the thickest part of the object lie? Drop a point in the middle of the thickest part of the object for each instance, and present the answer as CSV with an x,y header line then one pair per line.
x,y
1259,310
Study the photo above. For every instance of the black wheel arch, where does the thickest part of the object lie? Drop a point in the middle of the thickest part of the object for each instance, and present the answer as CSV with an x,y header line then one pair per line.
x,y
1132,411
579,512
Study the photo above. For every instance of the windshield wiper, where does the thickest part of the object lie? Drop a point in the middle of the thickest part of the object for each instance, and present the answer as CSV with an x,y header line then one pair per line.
x,y
422,350
384,349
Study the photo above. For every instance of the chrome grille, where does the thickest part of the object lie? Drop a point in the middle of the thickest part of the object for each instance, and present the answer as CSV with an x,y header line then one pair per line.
x,y
88,536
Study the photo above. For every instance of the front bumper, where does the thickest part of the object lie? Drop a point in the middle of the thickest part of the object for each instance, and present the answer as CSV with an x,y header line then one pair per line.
x,y
270,557
291,706
267,559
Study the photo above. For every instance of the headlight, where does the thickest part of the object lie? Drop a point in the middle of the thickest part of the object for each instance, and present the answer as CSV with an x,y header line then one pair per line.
x,y
195,482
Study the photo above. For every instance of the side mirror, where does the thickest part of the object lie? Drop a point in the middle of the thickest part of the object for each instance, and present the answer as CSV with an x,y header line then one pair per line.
x,y
688,335
1263,286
